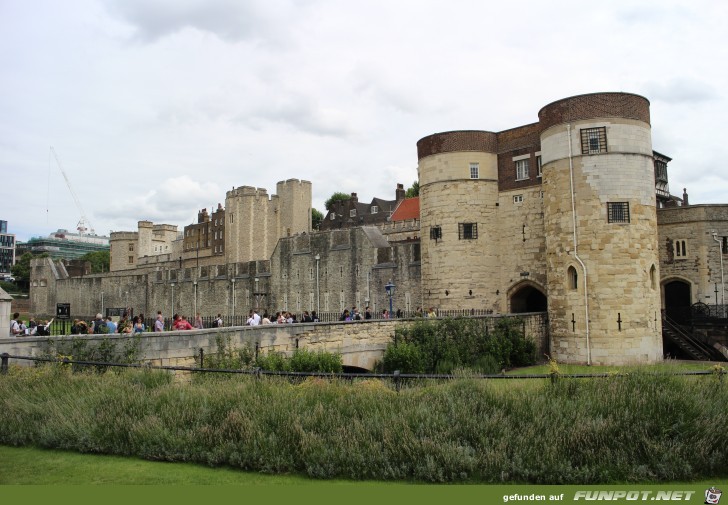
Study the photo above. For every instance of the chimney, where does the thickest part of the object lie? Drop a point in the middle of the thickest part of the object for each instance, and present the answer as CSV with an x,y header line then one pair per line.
x,y
354,198
685,197
399,192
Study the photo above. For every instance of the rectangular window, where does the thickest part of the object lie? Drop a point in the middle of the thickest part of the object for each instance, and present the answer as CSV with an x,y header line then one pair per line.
x,y
333,216
352,213
375,209
435,233
724,247
594,140
539,169
474,169
681,249
618,212
231,218
517,198
416,252
521,170
467,231
131,259
131,247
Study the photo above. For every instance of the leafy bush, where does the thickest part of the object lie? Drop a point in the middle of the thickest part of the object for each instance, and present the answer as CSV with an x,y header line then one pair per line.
x,y
106,351
228,357
405,357
445,345
304,360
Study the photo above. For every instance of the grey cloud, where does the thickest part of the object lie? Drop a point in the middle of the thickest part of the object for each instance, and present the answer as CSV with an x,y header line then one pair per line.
x,y
231,20
303,116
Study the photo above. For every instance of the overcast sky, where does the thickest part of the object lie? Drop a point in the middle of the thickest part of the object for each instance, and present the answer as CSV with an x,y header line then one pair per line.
x,y
157,108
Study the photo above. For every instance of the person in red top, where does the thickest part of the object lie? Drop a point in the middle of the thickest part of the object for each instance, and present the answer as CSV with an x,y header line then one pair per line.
x,y
182,324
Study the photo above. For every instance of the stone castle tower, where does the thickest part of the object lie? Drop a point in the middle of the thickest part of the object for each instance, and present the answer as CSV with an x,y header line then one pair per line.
x,y
558,214
601,229
255,221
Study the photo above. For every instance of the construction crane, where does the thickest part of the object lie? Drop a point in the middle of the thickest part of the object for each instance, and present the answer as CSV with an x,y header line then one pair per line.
x,y
81,226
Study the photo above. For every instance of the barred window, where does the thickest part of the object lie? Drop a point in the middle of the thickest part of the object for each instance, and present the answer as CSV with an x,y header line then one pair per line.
x,y
474,169
618,212
594,140
467,231
435,233
521,170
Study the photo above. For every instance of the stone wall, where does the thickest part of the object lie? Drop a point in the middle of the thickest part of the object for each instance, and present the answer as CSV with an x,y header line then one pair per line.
x,y
361,344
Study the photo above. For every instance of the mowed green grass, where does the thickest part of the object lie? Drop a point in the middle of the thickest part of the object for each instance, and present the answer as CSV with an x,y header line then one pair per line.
x,y
31,465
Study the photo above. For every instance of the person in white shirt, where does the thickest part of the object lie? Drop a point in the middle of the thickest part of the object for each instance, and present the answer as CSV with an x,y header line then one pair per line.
x,y
14,325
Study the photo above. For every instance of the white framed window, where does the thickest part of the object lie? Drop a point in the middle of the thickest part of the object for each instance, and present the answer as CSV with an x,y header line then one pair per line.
x,y
375,209
539,168
333,216
521,170
474,170
352,213
517,198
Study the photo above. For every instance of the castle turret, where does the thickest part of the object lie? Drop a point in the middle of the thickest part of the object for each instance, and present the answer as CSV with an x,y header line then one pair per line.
x,y
601,229
458,176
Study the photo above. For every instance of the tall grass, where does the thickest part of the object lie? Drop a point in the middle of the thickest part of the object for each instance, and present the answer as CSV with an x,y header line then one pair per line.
x,y
639,428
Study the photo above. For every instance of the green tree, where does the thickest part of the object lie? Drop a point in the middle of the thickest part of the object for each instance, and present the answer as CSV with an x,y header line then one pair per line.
x,y
336,197
316,218
100,261
413,190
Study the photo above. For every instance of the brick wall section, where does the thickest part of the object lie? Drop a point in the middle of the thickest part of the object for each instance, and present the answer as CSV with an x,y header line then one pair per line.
x,y
603,105
448,142
517,142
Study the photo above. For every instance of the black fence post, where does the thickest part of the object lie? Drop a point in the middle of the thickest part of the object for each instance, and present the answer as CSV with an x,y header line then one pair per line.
x,y
396,380
202,358
4,363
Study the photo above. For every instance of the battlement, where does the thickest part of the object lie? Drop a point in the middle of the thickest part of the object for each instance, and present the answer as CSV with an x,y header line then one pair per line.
x,y
123,235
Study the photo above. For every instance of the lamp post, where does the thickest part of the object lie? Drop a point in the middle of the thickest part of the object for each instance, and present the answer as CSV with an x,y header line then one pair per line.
x,y
257,295
172,284
389,287
232,283
318,291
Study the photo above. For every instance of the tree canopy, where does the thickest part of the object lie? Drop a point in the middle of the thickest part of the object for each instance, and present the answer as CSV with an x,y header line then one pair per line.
x,y
316,218
413,190
100,261
336,197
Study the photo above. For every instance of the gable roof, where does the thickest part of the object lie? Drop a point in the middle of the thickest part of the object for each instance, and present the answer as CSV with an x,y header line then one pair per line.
x,y
409,208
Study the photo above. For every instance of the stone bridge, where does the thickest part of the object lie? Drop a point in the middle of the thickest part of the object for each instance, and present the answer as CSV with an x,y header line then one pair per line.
x,y
360,343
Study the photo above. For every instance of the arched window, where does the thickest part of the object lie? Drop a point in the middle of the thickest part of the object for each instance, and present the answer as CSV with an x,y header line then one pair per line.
x,y
653,277
573,278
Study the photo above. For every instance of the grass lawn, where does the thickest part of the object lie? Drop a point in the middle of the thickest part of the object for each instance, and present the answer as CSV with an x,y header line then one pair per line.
x,y
30,465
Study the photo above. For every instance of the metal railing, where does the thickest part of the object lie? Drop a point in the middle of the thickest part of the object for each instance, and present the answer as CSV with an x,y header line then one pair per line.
x,y
396,377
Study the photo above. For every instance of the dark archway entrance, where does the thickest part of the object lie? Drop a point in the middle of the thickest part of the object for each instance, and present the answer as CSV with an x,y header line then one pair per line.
x,y
528,299
677,300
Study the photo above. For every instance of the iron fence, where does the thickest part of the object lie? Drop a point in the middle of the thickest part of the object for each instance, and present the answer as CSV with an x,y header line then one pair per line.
x,y
395,377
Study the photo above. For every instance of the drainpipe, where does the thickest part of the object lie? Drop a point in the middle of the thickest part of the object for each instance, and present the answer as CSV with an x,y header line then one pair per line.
x,y
722,286
576,255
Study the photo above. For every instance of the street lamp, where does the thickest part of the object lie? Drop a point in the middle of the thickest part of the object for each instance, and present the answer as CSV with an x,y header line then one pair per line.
x,y
389,287
318,291
172,284
232,284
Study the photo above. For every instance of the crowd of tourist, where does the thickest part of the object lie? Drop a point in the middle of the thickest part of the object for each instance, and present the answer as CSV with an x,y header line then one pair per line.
x,y
136,324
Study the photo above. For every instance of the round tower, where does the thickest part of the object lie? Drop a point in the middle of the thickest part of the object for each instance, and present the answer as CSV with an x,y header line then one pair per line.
x,y
458,176
601,229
